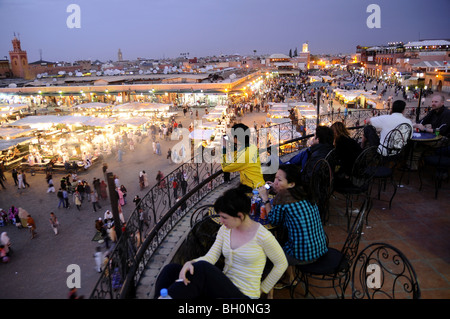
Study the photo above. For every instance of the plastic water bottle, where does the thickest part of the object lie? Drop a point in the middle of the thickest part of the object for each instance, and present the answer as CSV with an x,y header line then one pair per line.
x,y
254,202
164,294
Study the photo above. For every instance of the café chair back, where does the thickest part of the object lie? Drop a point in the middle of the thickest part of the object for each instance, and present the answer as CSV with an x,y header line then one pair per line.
x,y
437,157
201,212
382,271
200,238
406,131
321,187
392,150
358,184
332,160
333,269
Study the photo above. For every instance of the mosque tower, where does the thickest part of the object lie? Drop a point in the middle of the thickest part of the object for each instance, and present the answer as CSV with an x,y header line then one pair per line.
x,y
305,47
119,55
19,60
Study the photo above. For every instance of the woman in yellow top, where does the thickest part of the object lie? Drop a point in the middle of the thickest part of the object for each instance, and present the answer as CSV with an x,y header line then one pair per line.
x,y
245,159
244,243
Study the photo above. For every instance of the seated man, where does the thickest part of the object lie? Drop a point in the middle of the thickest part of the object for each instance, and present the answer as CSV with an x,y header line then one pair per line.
x,y
322,144
389,122
438,118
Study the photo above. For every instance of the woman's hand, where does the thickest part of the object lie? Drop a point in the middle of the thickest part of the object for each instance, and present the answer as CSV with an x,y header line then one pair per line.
x,y
263,192
186,267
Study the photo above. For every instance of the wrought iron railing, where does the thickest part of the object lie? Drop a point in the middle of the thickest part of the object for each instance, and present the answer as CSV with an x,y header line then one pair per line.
x,y
162,207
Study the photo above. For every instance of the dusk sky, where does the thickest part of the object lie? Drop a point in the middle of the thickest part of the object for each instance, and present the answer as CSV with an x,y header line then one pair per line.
x,y
166,28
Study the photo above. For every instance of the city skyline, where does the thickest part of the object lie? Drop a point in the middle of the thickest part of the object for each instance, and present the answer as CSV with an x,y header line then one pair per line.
x,y
158,29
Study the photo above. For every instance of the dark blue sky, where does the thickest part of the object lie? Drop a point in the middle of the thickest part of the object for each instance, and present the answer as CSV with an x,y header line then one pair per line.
x,y
166,28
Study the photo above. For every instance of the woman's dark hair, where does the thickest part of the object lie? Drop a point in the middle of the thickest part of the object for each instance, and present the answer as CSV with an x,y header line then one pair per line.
x,y
339,129
232,202
371,135
294,175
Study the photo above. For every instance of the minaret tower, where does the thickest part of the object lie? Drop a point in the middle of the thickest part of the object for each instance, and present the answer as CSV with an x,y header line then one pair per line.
x,y
19,60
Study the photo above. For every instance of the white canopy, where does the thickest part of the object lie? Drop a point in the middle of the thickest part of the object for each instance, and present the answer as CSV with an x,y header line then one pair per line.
x,y
100,121
94,105
13,132
201,134
43,121
134,121
220,107
137,106
208,124
279,107
13,107
6,144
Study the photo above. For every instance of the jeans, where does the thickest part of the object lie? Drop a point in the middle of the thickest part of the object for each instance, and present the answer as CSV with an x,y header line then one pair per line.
x,y
61,201
207,282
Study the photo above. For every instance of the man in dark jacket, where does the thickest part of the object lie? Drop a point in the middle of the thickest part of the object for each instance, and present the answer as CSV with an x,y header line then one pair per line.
x,y
322,144
438,118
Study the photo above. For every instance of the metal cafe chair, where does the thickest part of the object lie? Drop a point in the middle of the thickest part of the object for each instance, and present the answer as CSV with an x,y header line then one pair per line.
x,y
358,184
204,228
437,157
381,271
332,160
321,187
332,270
392,151
201,212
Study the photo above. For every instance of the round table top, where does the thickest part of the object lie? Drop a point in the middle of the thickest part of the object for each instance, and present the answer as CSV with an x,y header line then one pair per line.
x,y
423,136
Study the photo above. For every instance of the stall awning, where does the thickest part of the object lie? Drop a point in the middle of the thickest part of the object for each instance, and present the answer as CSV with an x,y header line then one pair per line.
x,y
201,134
6,144
136,106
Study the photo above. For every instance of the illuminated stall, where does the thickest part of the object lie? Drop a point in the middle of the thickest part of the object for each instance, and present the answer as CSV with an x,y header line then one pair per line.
x,y
154,110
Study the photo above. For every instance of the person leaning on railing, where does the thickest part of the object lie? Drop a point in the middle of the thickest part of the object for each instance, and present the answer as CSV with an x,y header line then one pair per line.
x,y
245,159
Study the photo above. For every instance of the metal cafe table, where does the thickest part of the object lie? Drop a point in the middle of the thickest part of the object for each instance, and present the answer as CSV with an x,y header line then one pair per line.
x,y
417,140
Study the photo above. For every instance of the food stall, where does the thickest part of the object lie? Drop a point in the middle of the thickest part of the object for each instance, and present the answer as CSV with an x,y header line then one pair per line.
x,y
153,110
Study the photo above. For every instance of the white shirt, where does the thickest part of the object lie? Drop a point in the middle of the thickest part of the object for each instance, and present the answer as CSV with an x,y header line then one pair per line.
x,y
387,123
